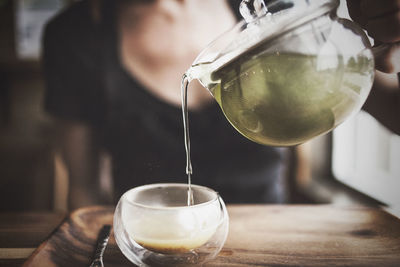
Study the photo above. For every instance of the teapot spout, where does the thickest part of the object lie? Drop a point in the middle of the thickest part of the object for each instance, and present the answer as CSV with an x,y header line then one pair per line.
x,y
203,73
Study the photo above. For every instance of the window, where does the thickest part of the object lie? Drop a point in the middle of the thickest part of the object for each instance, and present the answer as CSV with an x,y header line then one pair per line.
x,y
30,17
366,156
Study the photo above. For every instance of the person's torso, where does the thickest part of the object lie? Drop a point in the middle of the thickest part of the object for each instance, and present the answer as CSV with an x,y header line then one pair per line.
x,y
144,136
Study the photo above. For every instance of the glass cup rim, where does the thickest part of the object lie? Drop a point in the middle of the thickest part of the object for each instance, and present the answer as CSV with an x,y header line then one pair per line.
x,y
124,197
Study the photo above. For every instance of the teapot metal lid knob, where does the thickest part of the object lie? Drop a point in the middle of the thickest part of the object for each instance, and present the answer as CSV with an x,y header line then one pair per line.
x,y
252,9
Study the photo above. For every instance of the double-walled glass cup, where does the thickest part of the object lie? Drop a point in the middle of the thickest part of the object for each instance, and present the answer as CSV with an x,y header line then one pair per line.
x,y
154,226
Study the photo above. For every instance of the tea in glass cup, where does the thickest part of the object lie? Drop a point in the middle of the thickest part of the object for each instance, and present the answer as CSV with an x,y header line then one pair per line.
x,y
155,226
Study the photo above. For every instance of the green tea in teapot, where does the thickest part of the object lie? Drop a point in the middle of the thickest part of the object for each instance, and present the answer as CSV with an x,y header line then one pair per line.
x,y
284,99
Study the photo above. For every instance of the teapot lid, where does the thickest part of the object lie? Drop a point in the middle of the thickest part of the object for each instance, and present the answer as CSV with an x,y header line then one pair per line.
x,y
262,21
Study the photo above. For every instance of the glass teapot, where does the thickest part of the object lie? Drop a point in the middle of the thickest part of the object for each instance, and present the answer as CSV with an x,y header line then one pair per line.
x,y
290,71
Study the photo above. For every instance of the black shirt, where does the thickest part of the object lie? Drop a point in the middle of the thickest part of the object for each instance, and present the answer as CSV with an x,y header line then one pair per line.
x,y
143,134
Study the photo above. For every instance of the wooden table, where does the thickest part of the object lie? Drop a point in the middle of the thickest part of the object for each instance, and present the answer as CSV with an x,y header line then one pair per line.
x,y
22,233
260,235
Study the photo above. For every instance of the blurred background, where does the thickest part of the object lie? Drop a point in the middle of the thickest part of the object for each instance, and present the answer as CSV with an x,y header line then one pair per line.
x,y
359,163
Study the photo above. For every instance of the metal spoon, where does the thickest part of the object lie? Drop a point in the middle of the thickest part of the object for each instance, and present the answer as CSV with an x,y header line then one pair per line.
x,y
101,244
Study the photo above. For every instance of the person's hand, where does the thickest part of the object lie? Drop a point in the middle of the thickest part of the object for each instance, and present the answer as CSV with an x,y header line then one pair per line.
x,y
381,19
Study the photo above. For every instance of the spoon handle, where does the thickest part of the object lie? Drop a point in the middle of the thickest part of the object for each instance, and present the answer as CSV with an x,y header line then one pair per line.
x,y
101,244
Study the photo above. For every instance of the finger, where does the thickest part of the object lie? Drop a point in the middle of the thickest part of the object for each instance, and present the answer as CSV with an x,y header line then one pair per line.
x,y
375,8
385,29
387,59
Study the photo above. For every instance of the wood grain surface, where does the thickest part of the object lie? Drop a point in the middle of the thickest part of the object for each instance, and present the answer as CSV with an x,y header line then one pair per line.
x,y
22,232
320,235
